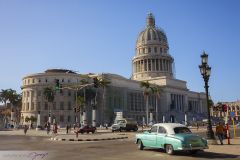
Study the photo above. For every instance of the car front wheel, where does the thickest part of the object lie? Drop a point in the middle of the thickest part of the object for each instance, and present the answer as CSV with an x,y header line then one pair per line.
x,y
169,149
140,145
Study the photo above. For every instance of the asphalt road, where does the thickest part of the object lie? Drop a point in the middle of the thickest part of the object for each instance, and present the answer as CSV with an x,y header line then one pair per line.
x,y
100,150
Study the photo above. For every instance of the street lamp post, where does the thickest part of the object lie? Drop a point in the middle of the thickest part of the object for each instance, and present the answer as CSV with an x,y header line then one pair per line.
x,y
205,72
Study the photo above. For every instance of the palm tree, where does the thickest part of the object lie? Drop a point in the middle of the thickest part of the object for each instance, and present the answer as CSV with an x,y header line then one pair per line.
x,y
49,96
103,83
4,96
156,91
146,92
10,95
7,95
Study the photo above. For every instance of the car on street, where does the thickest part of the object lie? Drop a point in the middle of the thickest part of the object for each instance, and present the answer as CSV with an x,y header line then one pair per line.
x,y
171,137
87,129
125,124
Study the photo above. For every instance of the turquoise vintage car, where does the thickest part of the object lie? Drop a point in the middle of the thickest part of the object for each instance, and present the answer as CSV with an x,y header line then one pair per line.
x,y
171,137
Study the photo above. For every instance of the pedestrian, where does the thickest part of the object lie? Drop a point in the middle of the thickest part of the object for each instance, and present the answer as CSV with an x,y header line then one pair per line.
x,y
48,126
106,125
55,128
67,128
77,130
220,132
197,126
25,129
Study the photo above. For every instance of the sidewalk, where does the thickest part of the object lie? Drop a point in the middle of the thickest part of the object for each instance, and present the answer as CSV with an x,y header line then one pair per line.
x,y
101,134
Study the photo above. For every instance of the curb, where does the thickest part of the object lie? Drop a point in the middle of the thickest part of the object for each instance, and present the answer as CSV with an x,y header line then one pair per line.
x,y
100,139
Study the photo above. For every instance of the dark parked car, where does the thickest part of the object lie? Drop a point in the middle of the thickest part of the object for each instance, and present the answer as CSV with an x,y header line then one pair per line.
x,y
87,129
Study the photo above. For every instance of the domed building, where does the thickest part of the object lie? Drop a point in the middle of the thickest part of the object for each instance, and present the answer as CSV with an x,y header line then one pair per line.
x,y
152,58
151,63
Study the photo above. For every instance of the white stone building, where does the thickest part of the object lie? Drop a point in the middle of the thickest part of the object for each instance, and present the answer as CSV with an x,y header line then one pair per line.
x,y
152,62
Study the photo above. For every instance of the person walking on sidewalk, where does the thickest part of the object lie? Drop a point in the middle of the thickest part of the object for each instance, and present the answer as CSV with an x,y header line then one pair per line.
x,y
67,128
55,129
48,126
220,132
25,129
77,130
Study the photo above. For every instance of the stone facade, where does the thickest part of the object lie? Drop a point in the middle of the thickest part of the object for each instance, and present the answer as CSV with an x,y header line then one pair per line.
x,y
152,62
33,99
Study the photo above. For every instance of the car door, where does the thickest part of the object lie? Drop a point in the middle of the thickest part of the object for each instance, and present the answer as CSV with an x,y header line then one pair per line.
x,y
161,135
151,137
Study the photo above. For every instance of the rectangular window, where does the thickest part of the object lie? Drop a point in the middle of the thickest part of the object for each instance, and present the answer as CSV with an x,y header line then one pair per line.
x,y
61,118
39,93
54,105
27,106
32,106
69,105
45,118
149,65
39,106
69,93
61,105
69,119
155,49
149,50
46,106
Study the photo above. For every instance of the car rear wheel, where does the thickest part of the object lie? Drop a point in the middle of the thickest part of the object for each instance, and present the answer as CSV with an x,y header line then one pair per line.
x,y
140,145
169,149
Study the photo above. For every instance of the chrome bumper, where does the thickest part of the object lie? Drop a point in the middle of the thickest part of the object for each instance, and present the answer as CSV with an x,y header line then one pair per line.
x,y
192,148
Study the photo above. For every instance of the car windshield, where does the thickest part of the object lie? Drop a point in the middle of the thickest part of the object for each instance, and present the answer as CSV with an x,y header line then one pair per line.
x,y
179,130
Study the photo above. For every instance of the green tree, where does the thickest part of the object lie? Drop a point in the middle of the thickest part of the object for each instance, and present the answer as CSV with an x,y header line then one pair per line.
x,y
49,96
103,83
156,91
33,119
147,90
8,95
27,119
15,100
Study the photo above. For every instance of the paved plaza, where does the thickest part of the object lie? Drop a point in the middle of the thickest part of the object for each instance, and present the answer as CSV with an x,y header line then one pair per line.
x,y
40,145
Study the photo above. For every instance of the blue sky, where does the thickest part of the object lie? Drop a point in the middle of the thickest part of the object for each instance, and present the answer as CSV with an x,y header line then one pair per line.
x,y
99,36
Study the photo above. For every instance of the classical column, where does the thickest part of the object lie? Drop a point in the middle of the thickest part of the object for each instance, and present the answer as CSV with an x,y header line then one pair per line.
x,y
151,116
155,64
147,65
151,61
161,68
94,116
84,118
140,66
38,121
